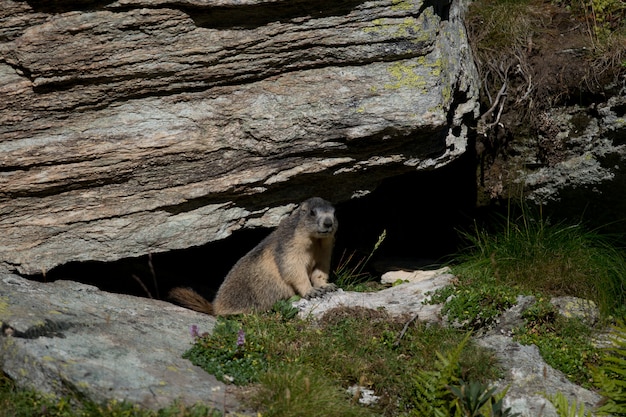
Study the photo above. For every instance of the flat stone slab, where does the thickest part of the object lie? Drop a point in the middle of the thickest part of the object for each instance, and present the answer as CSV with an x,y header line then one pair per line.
x,y
392,277
76,338
407,298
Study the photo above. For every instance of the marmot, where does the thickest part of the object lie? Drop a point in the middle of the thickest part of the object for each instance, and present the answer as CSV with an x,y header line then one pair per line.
x,y
293,259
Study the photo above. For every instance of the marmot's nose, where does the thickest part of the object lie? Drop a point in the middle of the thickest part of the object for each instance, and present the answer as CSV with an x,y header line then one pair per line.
x,y
328,222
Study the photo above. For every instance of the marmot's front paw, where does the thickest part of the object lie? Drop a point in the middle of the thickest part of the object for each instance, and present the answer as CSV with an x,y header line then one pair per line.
x,y
314,293
318,292
329,288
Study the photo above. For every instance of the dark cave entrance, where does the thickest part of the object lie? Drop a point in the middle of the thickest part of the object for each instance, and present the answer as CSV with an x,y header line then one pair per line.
x,y
421,213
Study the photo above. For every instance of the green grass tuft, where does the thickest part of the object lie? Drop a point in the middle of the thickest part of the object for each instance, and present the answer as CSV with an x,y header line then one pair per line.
x,y
349,273
555,259
565,409
301,391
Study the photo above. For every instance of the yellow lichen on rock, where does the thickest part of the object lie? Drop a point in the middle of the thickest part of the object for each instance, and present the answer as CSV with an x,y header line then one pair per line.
x,y
405,76
403,4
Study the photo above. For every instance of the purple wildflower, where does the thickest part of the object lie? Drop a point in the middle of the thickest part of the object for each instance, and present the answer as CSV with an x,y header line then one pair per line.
x,y
241,338
193,329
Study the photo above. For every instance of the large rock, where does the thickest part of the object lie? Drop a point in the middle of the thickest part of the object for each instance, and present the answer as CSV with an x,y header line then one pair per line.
x,y
139,126
75,339
575,166
529,380
584,149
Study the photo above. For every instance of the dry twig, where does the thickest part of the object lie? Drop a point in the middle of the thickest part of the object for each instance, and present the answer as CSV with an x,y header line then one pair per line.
x,y
404,329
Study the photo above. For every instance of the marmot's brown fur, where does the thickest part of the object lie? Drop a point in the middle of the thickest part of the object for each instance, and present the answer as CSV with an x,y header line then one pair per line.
x,y
293,259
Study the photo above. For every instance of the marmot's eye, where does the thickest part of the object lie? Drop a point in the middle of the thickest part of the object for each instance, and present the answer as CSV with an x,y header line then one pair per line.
x,y
312,212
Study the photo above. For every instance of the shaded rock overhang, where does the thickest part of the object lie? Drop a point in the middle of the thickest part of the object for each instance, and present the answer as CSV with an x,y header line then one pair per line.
x,y
139,126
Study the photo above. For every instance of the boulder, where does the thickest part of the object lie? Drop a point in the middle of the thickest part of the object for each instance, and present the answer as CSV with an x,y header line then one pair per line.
x,y
528,379
583,149
141,126
574,168
70,338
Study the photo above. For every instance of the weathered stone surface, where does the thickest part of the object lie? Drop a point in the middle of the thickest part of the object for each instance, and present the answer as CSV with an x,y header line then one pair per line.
x,y
574,307
511,319
392,277
575,166
138,126
103,345
585,148
405,298
529,379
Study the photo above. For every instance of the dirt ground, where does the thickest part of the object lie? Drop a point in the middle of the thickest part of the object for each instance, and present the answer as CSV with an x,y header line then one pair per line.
x,y
556,63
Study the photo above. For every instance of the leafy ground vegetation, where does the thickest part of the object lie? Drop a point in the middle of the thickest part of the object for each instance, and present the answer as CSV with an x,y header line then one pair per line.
x,y
564,343
529,255
301,368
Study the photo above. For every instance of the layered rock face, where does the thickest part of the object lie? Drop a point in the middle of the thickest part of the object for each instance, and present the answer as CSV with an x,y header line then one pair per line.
x,y
575,166
140,126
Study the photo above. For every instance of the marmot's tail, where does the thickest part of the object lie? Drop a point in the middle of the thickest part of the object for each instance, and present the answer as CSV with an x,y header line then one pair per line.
x,y
191,299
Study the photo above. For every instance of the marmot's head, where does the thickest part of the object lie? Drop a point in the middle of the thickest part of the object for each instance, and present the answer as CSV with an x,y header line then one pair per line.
x,y
318,215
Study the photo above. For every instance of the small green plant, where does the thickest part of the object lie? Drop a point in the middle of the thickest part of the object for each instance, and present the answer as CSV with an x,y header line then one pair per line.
x,y
566,409
540,317
496,406
564,343
228,354
349,273
285,308
474,306
610,376
604,19
432,396
475,399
